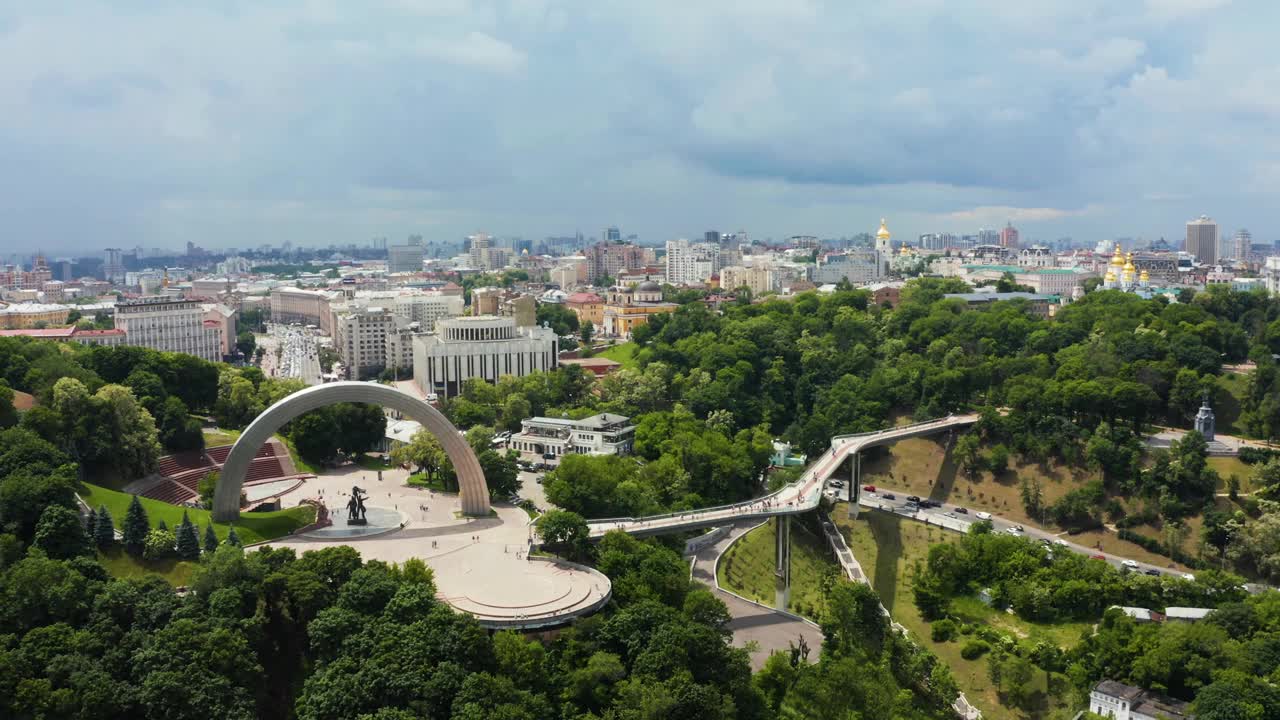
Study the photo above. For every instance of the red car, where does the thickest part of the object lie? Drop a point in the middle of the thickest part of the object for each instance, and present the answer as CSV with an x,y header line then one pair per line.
x,y
1096,557
869,488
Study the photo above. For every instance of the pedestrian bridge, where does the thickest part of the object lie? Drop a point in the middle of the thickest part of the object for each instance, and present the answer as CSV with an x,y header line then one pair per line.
x,y
798,497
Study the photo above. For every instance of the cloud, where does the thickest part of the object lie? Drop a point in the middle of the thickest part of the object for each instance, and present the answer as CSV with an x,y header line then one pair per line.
x,y
475,50
232,121
991,215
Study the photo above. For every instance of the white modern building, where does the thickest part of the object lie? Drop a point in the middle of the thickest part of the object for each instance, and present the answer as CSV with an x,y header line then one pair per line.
x,y
405,258
1126,702
691,263
602,434
482,346
171,325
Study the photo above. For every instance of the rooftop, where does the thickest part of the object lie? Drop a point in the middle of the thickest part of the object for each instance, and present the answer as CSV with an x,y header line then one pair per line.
x,y
995,297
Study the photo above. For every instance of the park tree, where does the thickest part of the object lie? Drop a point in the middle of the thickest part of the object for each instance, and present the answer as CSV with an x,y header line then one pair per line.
x,y
210,539
177,429
966,453
565,530
207,487
60,535
422,451
135,528
8,413
187,542
232,538
104,530
361,426
159,544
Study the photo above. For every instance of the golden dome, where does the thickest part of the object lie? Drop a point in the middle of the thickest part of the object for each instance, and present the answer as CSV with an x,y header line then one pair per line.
x,y
1128,263
1110,277
905,250
1118,259
1144,276
883,232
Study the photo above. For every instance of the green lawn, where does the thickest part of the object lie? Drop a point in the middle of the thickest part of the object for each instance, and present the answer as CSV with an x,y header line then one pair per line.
x,y
624,354
435,485
373,462
123,565
1227,411
747,568
299,464
888,547
220,437
251,528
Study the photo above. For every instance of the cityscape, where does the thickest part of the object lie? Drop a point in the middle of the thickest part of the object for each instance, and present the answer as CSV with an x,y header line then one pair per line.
x,y
319,399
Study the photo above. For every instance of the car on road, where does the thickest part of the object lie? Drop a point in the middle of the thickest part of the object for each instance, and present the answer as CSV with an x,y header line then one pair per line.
x,y
1061,542
1188,576
949,514
869,488
982,515
1097,557
930,504
1131,564
889,496
962,511
1014,532
913,498
1153,572
836,483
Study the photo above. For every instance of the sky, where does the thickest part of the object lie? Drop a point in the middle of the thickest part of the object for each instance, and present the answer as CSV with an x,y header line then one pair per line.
x,y
233,124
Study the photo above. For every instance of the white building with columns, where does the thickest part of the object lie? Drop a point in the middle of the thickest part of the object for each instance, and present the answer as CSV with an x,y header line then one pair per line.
x,y
481,346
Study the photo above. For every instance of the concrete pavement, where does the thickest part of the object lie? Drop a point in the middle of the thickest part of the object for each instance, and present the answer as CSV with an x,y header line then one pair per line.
x,y
766,628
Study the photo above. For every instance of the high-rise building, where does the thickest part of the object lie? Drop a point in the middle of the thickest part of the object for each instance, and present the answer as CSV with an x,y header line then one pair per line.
x,y
690,263
406,257
611,235
170,324
1202,239
1241,245
480,243
607,259
988,237
113,265
484,347
1009,236
711,236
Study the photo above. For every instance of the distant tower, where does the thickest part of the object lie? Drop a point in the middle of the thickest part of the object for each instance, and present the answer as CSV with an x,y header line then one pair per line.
x,y
1204,420
884,249
1202,239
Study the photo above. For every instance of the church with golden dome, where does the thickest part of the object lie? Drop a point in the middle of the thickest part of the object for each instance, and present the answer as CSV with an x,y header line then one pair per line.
x,y
1122,275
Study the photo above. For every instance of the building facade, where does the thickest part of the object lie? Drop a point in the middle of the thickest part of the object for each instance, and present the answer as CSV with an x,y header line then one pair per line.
x,y
30,315
602,434
759,279
1125,702
295,305
1202,239
405,258
360,339
608,259
691,263
485,347
170,325
627,308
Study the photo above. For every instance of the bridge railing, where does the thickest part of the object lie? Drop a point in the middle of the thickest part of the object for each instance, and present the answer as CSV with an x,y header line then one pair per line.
x,y
804,479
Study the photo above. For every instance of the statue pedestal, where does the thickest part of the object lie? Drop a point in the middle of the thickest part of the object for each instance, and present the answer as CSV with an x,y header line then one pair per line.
x,y
357,521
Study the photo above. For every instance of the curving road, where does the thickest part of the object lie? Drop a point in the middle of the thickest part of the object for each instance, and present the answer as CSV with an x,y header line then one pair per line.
x,y
798,497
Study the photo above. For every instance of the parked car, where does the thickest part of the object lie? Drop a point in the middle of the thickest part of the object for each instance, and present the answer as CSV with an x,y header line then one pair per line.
x,y
982,515
1129,564
869,488
962,511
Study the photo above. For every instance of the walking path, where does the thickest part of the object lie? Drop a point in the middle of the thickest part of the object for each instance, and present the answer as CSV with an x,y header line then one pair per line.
x,y
798,497
767,630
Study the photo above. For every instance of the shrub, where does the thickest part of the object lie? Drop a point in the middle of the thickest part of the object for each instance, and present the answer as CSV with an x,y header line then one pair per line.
x,y
159,545
974,649
943,630
966,628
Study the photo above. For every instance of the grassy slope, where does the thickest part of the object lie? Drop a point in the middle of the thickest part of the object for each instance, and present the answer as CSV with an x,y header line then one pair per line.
x,y
747,569
1227,412
123,565
923,467
217,438
624,353
888,547
251,528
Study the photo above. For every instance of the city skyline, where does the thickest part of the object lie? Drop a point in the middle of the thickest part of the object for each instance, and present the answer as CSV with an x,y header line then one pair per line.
x,y
245,126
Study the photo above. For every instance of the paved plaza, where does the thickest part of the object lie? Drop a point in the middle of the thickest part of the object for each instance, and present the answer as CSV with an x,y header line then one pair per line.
x,y
481,565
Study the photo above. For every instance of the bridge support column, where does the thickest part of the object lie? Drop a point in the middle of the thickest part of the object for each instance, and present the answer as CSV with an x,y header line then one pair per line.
x,y
855,484
782,568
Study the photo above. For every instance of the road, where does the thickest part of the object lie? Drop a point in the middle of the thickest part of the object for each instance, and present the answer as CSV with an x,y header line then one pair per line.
x,y
768,629
299,355
957,517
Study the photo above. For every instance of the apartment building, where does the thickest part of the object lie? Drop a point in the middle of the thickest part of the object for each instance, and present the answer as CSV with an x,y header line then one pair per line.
x,y
171,325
